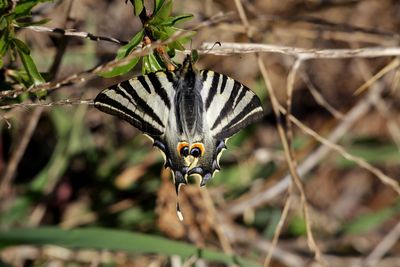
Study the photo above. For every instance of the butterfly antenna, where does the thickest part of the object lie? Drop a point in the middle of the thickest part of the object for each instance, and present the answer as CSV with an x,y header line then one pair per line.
x,y
212,47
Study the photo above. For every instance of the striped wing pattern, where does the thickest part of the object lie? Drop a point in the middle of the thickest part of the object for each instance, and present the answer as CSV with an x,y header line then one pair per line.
x,y
186,106
143,101
229,105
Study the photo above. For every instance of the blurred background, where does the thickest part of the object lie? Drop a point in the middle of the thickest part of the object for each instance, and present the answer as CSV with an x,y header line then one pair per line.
x,y
74,166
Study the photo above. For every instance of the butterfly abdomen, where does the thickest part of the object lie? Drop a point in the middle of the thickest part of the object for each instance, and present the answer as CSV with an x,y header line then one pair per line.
x,y
189,105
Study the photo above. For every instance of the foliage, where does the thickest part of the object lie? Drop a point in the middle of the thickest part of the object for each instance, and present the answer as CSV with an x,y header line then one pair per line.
x,y
14,16
103,239
159,26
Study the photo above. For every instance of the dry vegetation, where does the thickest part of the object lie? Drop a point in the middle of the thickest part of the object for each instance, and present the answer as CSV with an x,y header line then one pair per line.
x,y
73,166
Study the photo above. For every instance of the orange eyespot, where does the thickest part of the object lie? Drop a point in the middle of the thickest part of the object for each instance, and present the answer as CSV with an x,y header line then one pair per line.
x,y
183,149
197,150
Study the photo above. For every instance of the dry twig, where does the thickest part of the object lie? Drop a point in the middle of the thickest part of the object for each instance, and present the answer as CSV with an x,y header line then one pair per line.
x,y
284,139
228,48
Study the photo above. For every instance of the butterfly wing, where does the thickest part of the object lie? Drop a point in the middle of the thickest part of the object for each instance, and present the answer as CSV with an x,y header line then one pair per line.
x,y
229,105
143,101
147,102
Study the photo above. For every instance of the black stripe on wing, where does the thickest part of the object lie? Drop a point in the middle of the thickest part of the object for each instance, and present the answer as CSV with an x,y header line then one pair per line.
x,y
143,82
111,106
213,89
159,89
250,113
223,85
228,107
140,103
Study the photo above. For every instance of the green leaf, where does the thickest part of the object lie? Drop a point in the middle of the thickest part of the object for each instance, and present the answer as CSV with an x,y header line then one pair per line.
x,y
157,5
3,5
4,43
126,49
194,55
151,64
368,222
163,13
386,154
115,240
24,8
21,46
119,70
298,226
137,7
175,20
27,61
32,23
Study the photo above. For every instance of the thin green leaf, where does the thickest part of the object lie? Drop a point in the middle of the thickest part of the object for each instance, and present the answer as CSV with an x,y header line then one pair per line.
x,y
4,43
194,55
120,70
387,154
176,45
368,222
175,20
137,7
162,14
21,46
27,61
157,5
23,9
150,64
115,240
32,23
126,49
155,63
3,5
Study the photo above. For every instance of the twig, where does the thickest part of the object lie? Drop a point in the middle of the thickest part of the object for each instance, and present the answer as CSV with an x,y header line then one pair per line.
x,y
64,102
295,175
359,110
391,66
19,152
214,220
238,234
81,77
74,33
228,48
359,161
284,140
320,99
279,226
289,96
392,125
383,247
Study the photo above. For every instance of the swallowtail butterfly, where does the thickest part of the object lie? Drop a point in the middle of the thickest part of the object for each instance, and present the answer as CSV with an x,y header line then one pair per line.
x,y
189,114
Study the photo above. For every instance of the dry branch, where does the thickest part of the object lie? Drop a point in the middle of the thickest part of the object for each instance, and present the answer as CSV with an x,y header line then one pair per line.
x,y
228,48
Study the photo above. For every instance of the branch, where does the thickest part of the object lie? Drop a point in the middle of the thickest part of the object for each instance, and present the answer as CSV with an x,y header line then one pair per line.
x,y
303,53
72,32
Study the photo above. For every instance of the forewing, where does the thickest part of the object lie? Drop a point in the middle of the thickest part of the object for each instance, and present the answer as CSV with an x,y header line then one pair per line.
x,y
143,101
229,105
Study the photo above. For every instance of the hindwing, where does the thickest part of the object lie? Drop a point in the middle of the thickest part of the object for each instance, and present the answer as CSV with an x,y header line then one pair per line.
x,y
229,105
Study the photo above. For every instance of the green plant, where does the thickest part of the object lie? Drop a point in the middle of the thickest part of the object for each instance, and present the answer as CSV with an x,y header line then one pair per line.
x,y
158,26
15,15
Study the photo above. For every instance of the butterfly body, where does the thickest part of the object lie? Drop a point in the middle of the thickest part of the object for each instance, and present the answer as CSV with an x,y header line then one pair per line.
x,y
189,114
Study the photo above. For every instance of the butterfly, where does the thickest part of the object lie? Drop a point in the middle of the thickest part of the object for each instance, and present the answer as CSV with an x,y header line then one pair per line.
x,y
189,115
